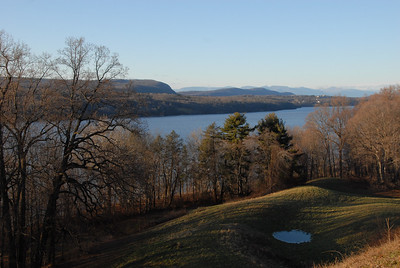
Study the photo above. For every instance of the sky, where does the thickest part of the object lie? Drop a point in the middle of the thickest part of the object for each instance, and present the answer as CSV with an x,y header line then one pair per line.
x,y
216,43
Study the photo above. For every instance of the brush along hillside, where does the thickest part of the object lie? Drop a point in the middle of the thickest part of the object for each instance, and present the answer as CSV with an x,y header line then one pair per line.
x,y
240,234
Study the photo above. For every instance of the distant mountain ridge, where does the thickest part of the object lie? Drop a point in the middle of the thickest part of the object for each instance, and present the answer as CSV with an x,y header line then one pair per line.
x,y
234,91
143,86
153,86
331,91
298,90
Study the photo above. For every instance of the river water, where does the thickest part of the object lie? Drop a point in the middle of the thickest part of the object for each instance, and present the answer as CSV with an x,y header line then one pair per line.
x,y
184,125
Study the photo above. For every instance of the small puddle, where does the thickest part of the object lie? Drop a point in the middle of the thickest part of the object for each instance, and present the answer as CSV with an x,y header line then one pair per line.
x,y
293,236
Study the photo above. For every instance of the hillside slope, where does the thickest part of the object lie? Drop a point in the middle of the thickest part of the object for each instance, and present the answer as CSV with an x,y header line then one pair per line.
x,y
341,220
385,255
240,234
143,86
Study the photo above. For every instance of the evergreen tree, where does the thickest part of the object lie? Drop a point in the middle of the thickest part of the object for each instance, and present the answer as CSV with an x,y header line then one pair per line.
x,y
276,126
236,128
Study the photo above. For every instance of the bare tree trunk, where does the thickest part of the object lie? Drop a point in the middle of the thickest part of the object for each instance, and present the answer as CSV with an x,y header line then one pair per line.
x,y
334,170
154,197
312,168
380,168
48,223
215,188
341,163
329,161
221,199
21,245
2,241
6,216
109,201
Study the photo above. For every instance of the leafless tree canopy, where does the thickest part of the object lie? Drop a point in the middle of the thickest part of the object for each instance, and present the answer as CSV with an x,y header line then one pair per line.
x,y
55,144
363,142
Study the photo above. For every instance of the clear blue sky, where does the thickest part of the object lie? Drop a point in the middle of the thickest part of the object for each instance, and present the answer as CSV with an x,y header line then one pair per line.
x,y
316,43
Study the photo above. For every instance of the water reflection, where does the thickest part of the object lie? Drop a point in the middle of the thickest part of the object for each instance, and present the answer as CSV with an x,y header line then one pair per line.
x,y
293,236
184,125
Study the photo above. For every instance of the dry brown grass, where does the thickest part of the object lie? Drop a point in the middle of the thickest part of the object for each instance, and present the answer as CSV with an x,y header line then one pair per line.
x,y
387,254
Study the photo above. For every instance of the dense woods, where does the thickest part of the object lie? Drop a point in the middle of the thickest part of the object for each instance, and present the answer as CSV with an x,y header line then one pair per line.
x,y
64,163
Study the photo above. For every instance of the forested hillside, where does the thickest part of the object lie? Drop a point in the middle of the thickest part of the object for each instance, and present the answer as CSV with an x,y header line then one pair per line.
x,y
167,104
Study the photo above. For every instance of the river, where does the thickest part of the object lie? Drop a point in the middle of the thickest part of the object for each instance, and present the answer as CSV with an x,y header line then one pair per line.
x,y
184,125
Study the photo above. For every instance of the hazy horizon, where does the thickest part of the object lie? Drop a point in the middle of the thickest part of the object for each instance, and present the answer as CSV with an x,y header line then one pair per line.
x,y
362,88
315,44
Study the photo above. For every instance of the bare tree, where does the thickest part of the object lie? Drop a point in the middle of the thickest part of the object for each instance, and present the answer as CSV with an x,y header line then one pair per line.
x,y
84,74
340,113
374,132
318,123
11,55
23,105
309,143
211,157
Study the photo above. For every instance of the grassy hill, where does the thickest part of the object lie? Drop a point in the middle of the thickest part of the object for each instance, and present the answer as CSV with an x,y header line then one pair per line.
x,y
239,234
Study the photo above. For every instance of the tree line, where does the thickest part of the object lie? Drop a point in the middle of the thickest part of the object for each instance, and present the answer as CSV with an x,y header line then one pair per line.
x,y
153,104
362,141
64,163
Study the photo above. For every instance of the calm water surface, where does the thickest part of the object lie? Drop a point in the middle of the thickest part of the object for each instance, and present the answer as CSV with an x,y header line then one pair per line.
x,y
184,125
293,236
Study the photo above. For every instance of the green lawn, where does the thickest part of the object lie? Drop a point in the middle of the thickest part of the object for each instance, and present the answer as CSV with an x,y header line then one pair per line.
x,y
240,234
